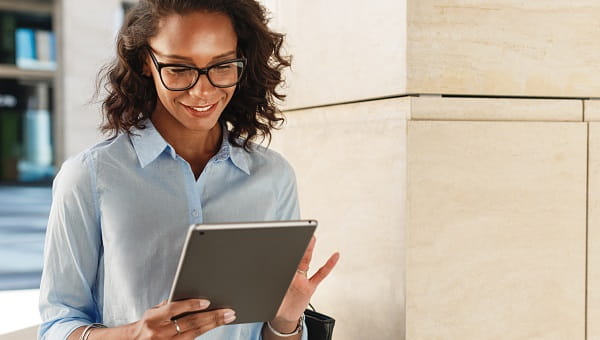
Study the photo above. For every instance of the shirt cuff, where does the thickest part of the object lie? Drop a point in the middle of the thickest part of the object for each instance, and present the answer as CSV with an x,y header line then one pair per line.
x,y
304,331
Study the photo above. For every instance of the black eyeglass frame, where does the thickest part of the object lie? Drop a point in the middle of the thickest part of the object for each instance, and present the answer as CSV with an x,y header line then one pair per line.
x,y
199,71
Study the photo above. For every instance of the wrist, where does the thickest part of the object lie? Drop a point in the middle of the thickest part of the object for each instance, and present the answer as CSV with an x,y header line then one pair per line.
x,y
87,331
128,331
124,332
285,328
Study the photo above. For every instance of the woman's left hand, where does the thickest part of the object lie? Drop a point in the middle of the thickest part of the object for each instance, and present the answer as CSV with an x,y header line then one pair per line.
x,y
302,287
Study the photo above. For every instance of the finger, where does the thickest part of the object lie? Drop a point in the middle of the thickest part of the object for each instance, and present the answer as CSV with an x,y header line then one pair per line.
x,y
156,313
199,323
322,273
176,308
162,303
305,262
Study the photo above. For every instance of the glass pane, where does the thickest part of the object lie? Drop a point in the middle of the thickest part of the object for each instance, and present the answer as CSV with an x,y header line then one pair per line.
x,y
23,219
26,172
26,151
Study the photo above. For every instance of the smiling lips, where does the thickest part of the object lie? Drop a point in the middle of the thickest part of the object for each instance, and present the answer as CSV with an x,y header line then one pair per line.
x,y
201,111
201,108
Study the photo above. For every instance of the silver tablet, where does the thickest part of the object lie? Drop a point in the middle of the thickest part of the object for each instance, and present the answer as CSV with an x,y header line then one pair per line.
x,y
247,267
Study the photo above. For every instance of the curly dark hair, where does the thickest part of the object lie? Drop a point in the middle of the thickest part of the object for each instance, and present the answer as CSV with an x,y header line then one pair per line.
x,y
251,112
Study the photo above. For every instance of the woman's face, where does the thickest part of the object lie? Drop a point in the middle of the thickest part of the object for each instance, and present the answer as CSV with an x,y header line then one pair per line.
x,y
198,39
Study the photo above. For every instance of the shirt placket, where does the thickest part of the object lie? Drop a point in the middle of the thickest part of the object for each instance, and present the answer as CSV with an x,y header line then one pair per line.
x,y
193,190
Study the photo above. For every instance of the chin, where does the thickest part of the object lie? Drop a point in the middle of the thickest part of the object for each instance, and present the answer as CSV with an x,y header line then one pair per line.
x,y
201,125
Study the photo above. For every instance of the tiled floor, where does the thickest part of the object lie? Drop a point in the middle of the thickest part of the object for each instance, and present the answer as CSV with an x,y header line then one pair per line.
x,y
23,218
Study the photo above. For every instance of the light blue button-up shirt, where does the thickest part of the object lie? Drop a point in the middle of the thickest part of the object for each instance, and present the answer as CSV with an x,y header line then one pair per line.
x,y
119,217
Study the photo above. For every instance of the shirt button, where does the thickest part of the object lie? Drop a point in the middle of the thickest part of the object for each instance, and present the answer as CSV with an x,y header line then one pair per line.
x,y
195,213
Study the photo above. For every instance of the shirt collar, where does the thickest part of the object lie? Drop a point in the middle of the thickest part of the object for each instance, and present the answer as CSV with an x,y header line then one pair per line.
x,y
238,156
149,144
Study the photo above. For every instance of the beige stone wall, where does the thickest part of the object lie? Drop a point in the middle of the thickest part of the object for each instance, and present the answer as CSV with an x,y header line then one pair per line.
x,y
494,238
343,50
593,291
592,114
349,162
353,50
496,230
496,227
506,48
592,110
495,109
497,188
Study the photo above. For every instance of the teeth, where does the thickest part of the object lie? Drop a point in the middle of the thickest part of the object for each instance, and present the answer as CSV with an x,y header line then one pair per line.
x,y
202,109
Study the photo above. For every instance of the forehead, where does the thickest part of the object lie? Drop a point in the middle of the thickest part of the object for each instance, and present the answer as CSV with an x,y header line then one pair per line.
x,y
197,34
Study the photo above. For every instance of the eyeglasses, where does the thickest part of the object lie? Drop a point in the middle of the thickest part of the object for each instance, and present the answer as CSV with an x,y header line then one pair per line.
x,y
179,77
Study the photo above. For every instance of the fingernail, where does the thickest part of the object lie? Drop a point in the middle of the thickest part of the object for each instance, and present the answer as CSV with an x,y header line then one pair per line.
x,y
229,316
204,303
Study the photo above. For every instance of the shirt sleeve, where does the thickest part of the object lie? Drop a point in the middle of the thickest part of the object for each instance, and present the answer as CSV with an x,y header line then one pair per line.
x,y
289,207
72,252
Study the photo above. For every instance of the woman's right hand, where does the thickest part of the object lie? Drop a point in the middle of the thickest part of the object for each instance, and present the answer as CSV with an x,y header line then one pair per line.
x,y
161,321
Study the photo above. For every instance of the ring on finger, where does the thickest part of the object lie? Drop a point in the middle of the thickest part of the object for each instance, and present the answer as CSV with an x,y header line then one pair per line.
x,y
177,328
303,272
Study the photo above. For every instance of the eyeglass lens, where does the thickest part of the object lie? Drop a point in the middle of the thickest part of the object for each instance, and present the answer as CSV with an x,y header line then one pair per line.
x,y
221,75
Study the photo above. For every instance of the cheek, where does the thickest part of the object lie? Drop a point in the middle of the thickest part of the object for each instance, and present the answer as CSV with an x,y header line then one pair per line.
x,y
157,84
166,97
229,92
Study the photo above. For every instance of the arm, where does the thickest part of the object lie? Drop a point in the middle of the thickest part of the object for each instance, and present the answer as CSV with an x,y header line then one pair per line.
x,y
73,259
302,288
71,253
298,296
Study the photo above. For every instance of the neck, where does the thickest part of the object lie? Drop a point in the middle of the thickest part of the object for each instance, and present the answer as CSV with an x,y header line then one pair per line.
x,y
197,147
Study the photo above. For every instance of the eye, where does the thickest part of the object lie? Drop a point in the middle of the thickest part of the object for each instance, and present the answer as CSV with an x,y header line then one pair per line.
x,y
177,70
224,67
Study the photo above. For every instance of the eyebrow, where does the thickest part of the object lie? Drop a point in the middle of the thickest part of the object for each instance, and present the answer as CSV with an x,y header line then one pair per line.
x,y
188,59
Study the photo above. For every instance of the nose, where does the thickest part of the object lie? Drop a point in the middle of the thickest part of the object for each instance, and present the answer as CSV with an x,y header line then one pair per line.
x,y
202,87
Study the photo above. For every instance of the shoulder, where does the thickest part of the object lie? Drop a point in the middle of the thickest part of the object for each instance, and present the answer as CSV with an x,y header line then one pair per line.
x,y
263,159
79,170
277,175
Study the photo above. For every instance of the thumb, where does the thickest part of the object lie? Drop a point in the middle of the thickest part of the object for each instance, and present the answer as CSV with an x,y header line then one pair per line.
x,y
162,303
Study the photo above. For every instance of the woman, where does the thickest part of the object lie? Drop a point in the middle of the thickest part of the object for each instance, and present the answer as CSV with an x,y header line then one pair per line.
x,y
193,83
